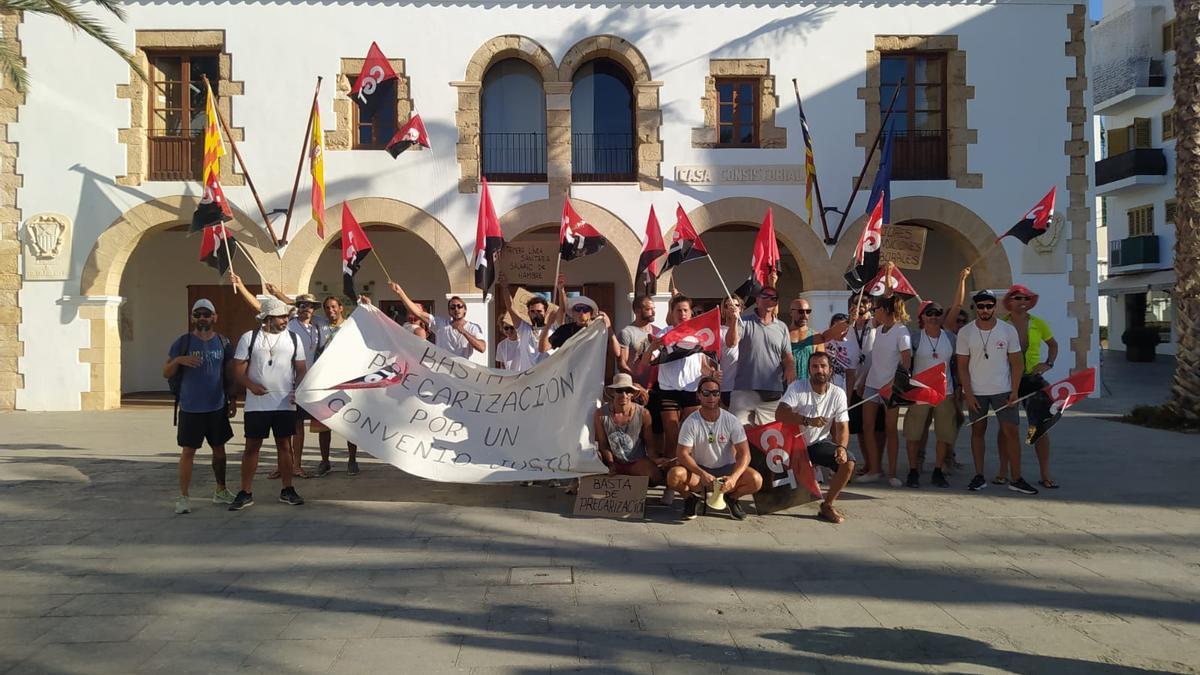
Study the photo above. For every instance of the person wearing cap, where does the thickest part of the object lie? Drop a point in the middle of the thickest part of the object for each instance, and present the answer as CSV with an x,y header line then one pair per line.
x,y
933,345
453,333
765,363
521,333
624,438
199,360
269,362
1033,331
990,366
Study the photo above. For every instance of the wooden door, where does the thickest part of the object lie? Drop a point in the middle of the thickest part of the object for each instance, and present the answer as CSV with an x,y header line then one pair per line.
x,y
603,294
234,315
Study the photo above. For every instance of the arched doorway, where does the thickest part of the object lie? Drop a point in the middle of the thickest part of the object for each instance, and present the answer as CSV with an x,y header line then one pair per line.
x,y
730,245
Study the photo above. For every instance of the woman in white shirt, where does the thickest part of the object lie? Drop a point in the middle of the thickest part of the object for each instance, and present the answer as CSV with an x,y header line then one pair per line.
x,y
892,348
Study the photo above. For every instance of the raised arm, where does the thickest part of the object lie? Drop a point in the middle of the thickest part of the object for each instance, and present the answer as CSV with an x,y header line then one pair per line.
x,y
960,296
412,307
502,283
245,292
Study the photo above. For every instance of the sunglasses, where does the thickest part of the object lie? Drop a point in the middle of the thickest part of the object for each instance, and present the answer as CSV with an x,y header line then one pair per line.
x,y
802,311
766,296
581,308
624,391
985,305
201,315
456,306
933,312
710,393
1022,298
508,329
305,305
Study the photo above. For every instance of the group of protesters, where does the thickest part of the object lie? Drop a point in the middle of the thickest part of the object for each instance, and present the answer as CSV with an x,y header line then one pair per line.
x,y
680,419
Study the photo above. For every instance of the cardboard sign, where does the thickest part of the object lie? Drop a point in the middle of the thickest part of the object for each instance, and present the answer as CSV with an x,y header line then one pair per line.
x,y
612,497
778,455
530,262
904,245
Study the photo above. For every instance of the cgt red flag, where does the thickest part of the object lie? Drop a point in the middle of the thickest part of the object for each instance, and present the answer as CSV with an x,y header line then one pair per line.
x,y
685,243
375,71
412,133
788,475
926,387
1047,405
576,236
355,247
763,261
652,250
488,241
900,285
379,379
1035,222
697,334
216,247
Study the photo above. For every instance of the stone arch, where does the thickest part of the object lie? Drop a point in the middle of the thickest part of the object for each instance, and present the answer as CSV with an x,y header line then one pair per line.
x,y
302,254
511,46
968,233
795,233
608,46
533,215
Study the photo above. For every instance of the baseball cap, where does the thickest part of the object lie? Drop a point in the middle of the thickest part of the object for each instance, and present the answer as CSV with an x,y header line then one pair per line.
x,y
985,294
204,303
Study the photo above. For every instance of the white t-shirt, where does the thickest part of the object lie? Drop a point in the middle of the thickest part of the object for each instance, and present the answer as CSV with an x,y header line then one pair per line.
x,y
831,405
928,352
271,366
885,355
729,360
526,353
725,432
844,355
991,374
453,341
508,353
310,335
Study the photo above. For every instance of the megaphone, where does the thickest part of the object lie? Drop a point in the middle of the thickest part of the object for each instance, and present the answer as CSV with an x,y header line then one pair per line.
x,y
715,499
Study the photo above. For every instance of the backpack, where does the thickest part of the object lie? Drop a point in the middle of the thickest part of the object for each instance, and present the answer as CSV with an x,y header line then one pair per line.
x,y
175,382
254,338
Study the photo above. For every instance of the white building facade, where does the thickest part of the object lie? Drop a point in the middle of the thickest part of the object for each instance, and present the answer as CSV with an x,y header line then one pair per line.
x,y
620,106
1133,73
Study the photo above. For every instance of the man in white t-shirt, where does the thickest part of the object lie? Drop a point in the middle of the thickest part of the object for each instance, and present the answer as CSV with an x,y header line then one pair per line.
x,y
520,346
990,364
713,444
818,407
454,334
269,362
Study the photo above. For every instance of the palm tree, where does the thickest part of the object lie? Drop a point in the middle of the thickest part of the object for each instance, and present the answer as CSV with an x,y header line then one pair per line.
x,y
12,67
1185,390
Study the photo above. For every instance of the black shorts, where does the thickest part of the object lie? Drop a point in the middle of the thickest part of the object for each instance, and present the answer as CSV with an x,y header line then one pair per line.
x,y
263,423
856,415
196,428
303,415
822,453
676,401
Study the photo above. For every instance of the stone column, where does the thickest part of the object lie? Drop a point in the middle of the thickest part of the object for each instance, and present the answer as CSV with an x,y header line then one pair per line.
x,y
558,139
467,149
103,353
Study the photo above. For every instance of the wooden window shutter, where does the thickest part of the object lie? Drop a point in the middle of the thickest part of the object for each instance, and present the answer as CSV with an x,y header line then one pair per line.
x,y
1169,211
1168,124
1141,132
1168,36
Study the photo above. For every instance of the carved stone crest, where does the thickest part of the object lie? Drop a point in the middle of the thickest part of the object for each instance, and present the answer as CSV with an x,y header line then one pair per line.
x,y
1047,254
47,246
1046,243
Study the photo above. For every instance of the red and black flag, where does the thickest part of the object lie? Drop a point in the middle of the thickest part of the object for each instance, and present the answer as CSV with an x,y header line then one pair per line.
x,y
379,379
213,208
779,454
216,247
1035,222
488,241
375,71
698,334
355,247
763,261
1046,407
879,214
926,387
576,236
900,285
652,250
412,133
685,243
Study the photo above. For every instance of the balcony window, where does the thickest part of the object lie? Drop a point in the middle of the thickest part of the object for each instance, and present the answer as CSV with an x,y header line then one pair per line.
x,y
177,113
1169,212
919,143
737,112
1168,36
1141,221
513,123
603,146
1168,124
374,128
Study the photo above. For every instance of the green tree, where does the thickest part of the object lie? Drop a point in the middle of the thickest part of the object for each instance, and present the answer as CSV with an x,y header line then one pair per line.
x,y
1185,389
75,14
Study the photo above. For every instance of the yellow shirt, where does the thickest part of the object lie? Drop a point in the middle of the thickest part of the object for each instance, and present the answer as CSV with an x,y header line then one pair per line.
x,y
1039,332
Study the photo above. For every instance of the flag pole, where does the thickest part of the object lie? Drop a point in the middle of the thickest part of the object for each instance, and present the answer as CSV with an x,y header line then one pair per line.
x,y
1007,405
228,253
382,266
245,171
287,221
719,277
985,253
816,183
246,253
870,154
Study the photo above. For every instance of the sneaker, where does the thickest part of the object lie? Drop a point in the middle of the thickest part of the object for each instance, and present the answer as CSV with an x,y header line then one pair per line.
x,y
182,505
894,482
914,479
668,498
1019,485
869,478
977,483
689,506
241,501
735,510
324,468
222,496
939,479
352,468
288,496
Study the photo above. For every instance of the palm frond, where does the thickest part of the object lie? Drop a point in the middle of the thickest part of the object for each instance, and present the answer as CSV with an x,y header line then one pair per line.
x,y
68,11
12,67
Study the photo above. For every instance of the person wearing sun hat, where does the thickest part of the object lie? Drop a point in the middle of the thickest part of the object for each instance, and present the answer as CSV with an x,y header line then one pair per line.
x,y
1033,331
624,437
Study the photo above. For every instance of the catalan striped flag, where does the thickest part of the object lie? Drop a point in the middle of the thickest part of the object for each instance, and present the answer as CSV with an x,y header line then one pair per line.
x,y
316,165
810,165
213,148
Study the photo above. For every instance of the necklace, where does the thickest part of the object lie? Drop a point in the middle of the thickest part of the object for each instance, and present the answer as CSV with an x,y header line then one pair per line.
x,y
271,347
934,345
712,431
986,338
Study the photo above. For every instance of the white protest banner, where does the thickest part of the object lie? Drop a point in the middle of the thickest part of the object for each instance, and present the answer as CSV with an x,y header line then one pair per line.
x,y
444,418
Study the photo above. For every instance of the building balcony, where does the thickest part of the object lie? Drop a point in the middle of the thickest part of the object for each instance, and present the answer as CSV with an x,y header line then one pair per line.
x,y
1132,168
1133,254
1135,82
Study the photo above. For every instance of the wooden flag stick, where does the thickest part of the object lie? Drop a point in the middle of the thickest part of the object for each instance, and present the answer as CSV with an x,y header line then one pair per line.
x,y
228,252
246,253
816,184
719,277
870,155
287,220
245,171
984,254
382,266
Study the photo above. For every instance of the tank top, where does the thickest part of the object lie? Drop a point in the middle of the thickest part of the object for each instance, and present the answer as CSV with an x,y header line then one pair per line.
x,y
625,441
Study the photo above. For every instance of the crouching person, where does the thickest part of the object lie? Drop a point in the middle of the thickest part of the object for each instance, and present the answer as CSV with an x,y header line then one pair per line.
x,y
712,445
623,434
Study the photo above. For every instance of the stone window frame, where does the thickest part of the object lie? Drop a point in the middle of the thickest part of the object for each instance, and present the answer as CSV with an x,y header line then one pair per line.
x,y
341,138
770,136
958,92
135,136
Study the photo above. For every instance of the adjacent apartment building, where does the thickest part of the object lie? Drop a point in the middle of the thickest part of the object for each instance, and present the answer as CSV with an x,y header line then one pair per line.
x,y
622,106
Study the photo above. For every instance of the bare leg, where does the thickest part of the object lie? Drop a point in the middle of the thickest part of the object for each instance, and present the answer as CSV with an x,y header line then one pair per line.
x,y
186,457
218,465
297,447
324,438
870,411
644,467
670,421
914,448
943,449
352,450
679,480
283,449
978,444
839,481
1008,442
748,483
1043,454
250,463
891,417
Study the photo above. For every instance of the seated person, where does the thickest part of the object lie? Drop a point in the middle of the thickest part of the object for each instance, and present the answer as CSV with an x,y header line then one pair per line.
x,y
623,436
818,407
712,443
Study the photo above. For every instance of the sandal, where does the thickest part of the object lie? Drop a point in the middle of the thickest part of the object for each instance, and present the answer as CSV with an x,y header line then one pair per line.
x,y
1049,484
299,473
999,480
274,475
830,514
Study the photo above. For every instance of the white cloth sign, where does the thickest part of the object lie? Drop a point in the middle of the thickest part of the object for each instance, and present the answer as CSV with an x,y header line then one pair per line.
x,y
451,420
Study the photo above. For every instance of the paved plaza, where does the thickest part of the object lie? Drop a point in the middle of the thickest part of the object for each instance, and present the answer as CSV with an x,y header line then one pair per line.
x,y
386,573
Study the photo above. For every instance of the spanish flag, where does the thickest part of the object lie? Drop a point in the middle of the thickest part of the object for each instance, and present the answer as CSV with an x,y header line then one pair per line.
x,y
213,148
316,164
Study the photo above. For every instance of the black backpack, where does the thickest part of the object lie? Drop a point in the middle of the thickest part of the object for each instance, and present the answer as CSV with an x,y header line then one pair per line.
x,y
254,338
175,382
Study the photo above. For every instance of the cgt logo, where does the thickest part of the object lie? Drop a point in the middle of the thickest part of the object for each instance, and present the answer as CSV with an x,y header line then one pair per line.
x,y
779,460
370,82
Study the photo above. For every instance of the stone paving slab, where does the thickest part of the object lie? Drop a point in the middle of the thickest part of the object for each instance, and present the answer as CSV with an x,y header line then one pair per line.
x,y
387,573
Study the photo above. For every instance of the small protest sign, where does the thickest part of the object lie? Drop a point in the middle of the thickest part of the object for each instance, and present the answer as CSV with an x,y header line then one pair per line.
x,y
612,497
